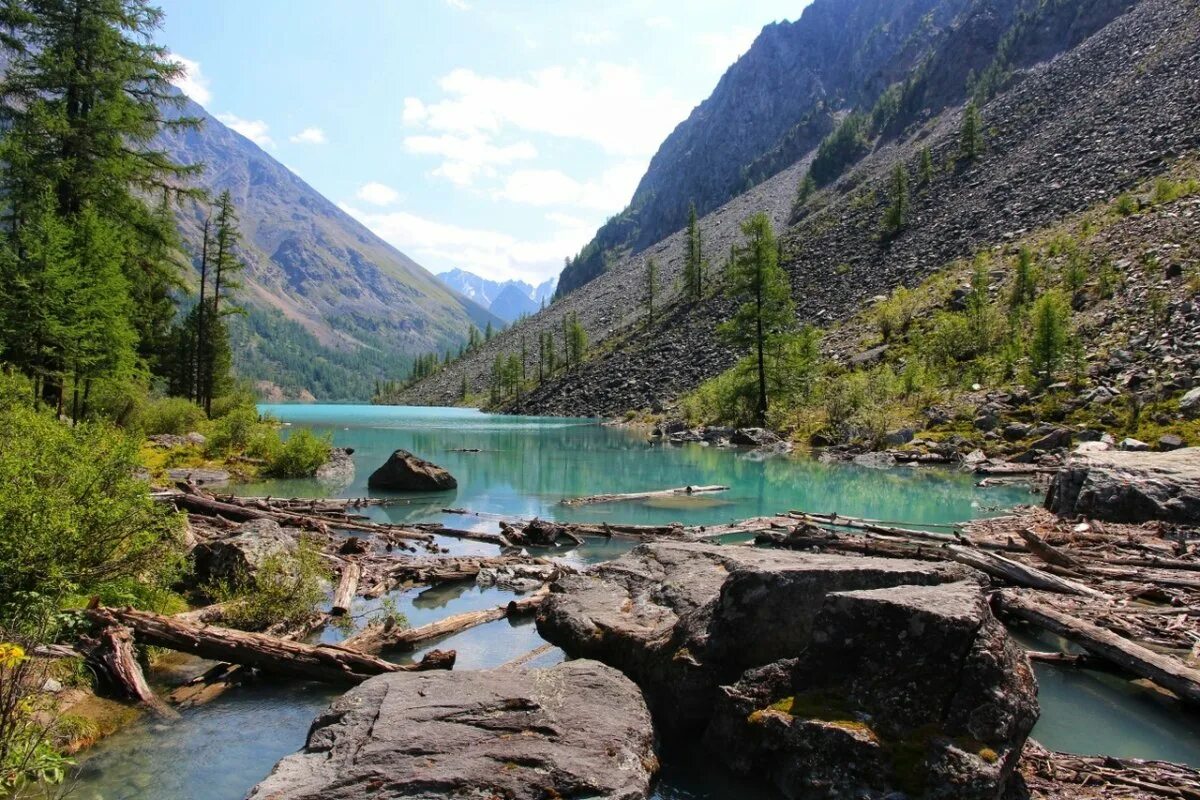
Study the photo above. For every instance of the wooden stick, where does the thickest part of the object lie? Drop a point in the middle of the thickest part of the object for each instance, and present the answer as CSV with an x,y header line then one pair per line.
x,y
685,491
521,661
1048,553
304,661
1167,672
1020,574
346,589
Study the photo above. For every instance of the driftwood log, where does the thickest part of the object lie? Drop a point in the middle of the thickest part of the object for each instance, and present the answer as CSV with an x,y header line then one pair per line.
x,y
347,588
1169,673
682,491
110,653
270,653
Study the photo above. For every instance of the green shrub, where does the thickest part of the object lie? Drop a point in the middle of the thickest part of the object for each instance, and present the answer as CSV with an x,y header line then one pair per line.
x,y
169,415
894,315
285,591
74,518
1168,191
27,753
730,398
1051,331
243,431
1127,205
300,455
238,399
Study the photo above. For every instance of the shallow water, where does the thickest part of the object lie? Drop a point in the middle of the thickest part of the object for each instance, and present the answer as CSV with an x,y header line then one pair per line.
x,y
525,467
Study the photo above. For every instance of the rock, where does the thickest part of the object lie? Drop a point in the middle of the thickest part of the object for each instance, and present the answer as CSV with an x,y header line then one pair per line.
x,y
974,458
52,686
1129,486
197,439
1053,440
339,469
199,475
577,729
240,556
404,472
1133,445
753,437
898,437
1093,447
1169,441
869,357
167,440
682,618
987,421
820,440
1189,404
1015,431
950,725
875,460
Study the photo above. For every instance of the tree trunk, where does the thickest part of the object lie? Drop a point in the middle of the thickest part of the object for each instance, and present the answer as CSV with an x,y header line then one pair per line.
x,y
307,662
111,655
347,588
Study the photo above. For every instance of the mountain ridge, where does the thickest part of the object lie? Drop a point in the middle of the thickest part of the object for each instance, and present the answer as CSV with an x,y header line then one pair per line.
x,y
508,300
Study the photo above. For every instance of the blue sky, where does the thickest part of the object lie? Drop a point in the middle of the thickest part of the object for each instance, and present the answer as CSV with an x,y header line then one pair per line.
x,y
492,136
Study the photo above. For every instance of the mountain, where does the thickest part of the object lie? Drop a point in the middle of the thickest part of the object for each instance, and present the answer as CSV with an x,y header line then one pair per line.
x,y
508,300
331,307
798,79
1080,102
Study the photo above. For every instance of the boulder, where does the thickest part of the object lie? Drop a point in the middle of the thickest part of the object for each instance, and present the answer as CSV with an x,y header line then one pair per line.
x,y
404,472
339,469
936,703
578,729
240,556
1170,441
681,618
1189,404
1127,486
753,437
1133,445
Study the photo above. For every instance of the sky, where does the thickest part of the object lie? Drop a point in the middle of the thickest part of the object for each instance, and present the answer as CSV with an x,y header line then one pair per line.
x,y
491,136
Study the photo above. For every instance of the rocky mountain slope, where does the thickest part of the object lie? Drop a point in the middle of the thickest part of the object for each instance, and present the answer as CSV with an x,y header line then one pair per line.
x,y
332,306
788,91
1061,135
508,300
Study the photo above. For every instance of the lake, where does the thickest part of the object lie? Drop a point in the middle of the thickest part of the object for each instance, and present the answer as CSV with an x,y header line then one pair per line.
x,y
525,467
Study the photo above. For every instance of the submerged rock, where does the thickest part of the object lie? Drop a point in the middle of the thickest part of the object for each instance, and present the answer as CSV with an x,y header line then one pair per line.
x,y
339,469
1129,486
830,676
578,729
404,472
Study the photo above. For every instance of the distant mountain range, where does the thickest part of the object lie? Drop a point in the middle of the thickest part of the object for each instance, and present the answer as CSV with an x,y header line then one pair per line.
x,y
508,300
331,307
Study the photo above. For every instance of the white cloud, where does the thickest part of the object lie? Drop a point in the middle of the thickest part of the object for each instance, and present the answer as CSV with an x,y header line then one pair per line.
x,y
253,129
309,136
595,37
660,22
551,187
609,105
726,47
466,156
377,194
414,111
459,5
192,81
493,254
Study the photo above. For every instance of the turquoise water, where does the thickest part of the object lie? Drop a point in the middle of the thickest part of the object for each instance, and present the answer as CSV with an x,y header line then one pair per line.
x,y
525,467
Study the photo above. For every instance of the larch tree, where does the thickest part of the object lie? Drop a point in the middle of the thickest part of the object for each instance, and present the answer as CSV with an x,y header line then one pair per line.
x,y
971,134
651,286
693,258
759,285
896,217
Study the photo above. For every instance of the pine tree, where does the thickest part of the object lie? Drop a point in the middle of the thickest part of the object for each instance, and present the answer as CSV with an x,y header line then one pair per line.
x,y
1024,287
693,262
807,188
926,175
576,340
896,217
83,97
1051,332
463,389
651,289
971,136
487,334
766,309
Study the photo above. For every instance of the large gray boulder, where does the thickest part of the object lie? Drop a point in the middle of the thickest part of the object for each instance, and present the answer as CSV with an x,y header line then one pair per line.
x,y
682,618
578,729
339,469
828,675
915,689
404,472
241,555
1129,486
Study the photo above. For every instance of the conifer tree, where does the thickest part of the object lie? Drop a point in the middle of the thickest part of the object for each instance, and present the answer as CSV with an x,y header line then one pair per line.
x,y
926,175
576,340
693,258
971,136
487,334
651,283
896,217
1024,287
766,309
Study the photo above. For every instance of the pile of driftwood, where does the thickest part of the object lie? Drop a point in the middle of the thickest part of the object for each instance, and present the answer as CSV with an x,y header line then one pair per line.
x,y
1060,776
1128,595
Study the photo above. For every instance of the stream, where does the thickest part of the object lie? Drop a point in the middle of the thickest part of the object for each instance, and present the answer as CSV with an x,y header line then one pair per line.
x,y
524,467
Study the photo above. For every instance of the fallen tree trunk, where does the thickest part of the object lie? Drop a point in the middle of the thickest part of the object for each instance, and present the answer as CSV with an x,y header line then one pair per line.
x,y
376,638
111,654
1049,553
682,491
346,589
308,662
1020,574
1167,672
